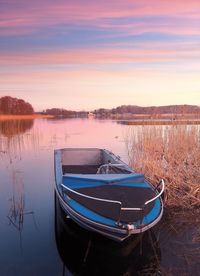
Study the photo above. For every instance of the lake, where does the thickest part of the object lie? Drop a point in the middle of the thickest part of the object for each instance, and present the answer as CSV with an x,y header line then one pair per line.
x,y
35,238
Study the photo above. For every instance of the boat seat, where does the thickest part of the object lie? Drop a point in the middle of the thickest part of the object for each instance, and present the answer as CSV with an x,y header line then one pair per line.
x,y
114,168
80,169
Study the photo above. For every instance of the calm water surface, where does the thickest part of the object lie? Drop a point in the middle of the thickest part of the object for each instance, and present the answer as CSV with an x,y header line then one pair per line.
x,y
35,238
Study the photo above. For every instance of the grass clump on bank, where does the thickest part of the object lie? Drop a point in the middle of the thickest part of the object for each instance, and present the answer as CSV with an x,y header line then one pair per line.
x,y
7,117
171,153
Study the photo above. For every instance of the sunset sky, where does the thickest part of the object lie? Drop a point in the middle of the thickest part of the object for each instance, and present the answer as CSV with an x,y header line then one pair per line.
x,y
86,54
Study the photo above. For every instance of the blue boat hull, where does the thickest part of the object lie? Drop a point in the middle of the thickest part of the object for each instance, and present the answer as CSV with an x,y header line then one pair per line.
x,y
100,214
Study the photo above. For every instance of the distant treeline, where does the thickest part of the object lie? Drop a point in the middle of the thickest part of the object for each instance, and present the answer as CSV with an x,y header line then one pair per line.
x,y
14,106
9,105
150,110
60,112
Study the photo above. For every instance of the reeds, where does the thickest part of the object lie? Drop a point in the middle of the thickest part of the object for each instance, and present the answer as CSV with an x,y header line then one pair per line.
x,y
171,153
24,117
17,203
16,214
161,122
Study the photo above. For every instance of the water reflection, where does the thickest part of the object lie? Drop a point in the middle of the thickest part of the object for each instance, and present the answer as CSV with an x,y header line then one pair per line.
x,y
14,137
17,202
10,128
86,253
16,214
26,195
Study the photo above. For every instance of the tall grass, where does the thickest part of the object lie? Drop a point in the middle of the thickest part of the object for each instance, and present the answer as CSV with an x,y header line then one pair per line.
x,y
171,153
24,117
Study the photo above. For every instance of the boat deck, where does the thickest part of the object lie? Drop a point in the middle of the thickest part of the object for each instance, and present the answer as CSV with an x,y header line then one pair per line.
x,y
131,196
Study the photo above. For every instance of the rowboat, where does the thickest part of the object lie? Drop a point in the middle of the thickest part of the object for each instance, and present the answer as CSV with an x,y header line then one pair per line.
x,y
85,253
101,193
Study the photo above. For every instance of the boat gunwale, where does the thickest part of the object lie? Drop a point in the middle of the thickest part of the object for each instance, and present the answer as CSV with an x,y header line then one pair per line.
x,y
67,209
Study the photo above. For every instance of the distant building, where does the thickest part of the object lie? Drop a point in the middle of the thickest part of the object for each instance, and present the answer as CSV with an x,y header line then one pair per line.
x,y
90,115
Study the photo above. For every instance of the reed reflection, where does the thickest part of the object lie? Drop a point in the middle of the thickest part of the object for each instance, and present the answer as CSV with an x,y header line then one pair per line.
x,y
17,212
86,253
17,203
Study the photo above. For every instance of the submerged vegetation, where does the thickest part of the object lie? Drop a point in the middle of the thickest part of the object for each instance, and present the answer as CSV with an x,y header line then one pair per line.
x,y
169,153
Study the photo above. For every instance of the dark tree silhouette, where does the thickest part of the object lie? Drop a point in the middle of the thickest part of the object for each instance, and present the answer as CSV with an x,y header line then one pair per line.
x,y
60,112
9,105
153,111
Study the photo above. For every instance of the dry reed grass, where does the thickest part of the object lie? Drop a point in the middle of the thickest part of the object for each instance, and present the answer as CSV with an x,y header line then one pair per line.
x,y
24,117
171,153
162,122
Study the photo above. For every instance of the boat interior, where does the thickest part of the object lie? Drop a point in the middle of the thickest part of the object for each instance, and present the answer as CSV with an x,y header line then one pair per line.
x,y
91,161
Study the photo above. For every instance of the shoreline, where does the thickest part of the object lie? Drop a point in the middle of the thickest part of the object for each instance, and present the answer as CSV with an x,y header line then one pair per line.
x,y
4,117
160,122
8,117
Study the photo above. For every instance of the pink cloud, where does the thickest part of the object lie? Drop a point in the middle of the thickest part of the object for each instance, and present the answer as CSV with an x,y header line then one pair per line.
x,y
28,17
155,53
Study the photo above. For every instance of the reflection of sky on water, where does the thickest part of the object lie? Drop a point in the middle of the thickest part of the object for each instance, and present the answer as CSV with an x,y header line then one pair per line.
x,y
85,133
29,157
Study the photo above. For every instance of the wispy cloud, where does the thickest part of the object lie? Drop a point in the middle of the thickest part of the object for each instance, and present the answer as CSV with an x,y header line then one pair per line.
x,y
20,17
86,45
104,56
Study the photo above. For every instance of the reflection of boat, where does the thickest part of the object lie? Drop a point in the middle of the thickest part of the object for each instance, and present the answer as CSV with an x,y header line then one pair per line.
x,y
102,194
86,253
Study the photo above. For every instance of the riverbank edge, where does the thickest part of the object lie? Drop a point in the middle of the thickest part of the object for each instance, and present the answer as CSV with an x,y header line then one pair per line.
x,y
4,117
160,122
